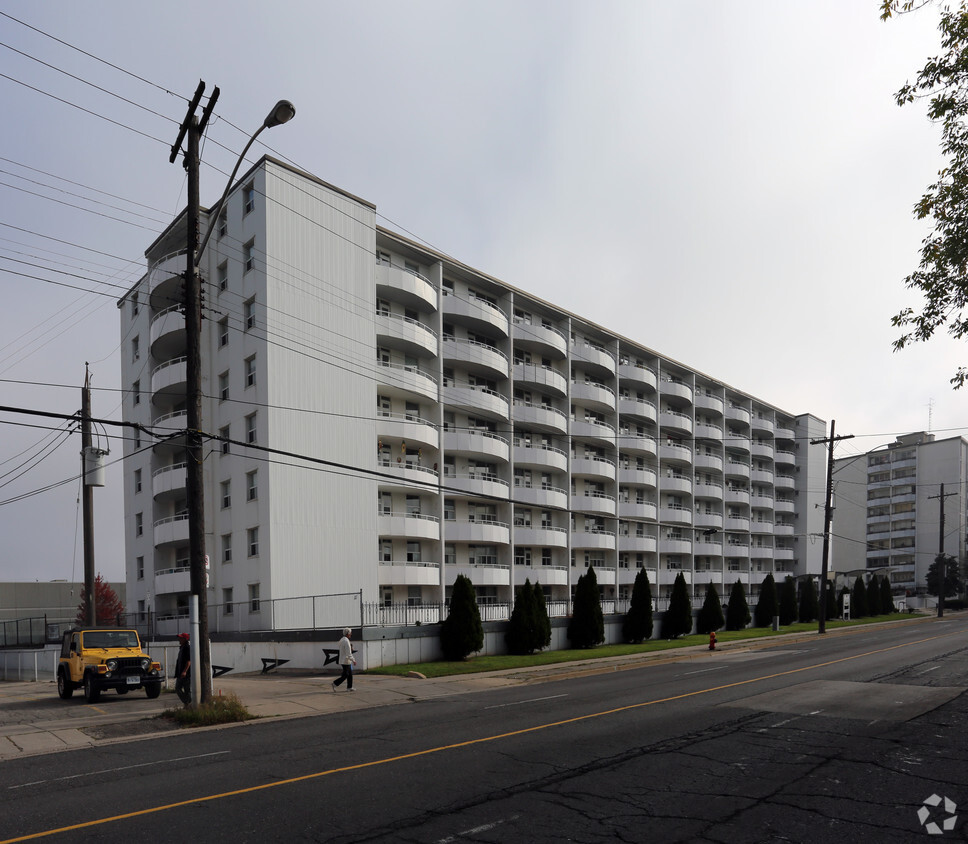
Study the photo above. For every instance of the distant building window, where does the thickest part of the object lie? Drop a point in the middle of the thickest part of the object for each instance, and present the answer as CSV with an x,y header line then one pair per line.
x,y
252,540
227,601
139,566
250,371
225,434
223,224
249,313
248,198
253,597
223,332
223,387
250,428
135,348
134,305
225,493
223,276
226,547
139,524
137,480
248,255
136,392
251,485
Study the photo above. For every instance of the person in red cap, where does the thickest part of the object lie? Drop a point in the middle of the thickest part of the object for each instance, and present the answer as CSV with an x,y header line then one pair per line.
x,y
183,683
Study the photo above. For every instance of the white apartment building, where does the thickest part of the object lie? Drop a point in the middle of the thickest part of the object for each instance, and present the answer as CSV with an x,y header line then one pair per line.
x,y
888,514
456,424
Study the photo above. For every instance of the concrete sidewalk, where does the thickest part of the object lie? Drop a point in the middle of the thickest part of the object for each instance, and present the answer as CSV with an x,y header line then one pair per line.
x,y
33,720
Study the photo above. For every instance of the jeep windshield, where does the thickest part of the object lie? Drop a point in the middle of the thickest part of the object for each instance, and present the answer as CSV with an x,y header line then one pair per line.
x,y
111,639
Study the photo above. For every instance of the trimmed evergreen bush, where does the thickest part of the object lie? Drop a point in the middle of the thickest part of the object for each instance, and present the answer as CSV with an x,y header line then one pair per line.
x,y
677,620
587,625
873,596
737,610
835,608
461,634
788,601
767,606
711,615
541,613
858,599
887,599
638,623
809,603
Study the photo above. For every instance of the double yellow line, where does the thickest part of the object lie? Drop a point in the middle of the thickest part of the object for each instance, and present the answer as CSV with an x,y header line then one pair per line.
x,y
469,743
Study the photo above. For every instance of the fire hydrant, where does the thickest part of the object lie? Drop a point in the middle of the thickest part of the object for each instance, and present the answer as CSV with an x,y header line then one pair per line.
x,y
712,640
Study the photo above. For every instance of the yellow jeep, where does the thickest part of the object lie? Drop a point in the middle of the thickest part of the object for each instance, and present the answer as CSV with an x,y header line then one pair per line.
x,y
99,658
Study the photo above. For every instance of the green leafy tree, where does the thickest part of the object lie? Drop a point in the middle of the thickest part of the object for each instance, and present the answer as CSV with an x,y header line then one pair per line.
x,y
788,601
738,609
767,606
462,634
638,622
543,622
525,633
809,603
587,625
873,596
952,577
887,599
858,599
677,620
107,604
941,274
711,614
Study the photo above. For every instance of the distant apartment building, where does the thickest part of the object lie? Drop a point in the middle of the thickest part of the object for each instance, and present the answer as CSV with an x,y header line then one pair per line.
x,y
888,511
427,420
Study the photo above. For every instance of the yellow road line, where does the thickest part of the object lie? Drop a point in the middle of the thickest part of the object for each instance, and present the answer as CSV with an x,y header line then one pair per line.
x,y
469,743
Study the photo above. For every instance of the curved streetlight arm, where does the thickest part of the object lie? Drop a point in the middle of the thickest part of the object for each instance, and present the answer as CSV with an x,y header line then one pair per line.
x,y
282,112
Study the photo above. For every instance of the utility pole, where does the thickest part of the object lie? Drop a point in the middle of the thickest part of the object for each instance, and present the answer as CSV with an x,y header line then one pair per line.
x,y
828,513
87,499
941,560
201,657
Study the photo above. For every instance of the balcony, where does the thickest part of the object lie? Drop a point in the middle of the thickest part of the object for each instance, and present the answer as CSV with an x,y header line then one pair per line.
x,y
593,540
637,444
712,462
407,428
761,527
404,525
738,414
782,555
172,425
404,380
476,314
167,334
737,550
477,444
676,389
169,482
762,425
667,576
637,409
676,483
626,576
476,400
737,496
761,552
541,496
762,502
489,486
672,420
404,473
674,453
553,537
589,429
630,372
165,280
171,531
782,505
708,520
704,401
594,502
478,530
400,285
482,575
737,470
637,510
173,581
784,458
762,449
762,476
783,432
543,339
540,378
538,417
638,544
784,482
596,396
738,523
537,573
708,431
594,356
703,577
169,382
782,529
708,490
675,515
593,467
638,477
540,457
405,573
475,357
395,331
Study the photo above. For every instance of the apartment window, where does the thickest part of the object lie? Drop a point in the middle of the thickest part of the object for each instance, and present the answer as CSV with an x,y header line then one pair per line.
x,y
252,541
225,493
248,255
250,428
137,439
134,306
223,224
522,556
135,348
251,485
386,503
227,601
223,332
137,480
413,552
546,556
223,387
139,567
223,276
226,547
383,258
139,524
136,392
225,434
450,555
248,198
250,372
253,597
386,551
382,307
249,313
414,596
450,513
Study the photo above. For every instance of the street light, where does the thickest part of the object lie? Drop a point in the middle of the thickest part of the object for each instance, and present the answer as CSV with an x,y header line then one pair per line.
x,y
282,112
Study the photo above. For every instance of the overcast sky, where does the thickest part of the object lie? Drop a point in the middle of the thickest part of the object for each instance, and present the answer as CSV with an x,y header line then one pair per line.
x,y
730,184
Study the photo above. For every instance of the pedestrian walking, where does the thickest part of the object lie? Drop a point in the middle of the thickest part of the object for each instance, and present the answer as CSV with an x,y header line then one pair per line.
x,y
183,665
346,661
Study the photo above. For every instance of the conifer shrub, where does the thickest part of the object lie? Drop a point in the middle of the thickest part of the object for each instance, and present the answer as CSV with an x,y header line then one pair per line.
x,y
767,606
887,599
677,620
587,625
738,609
809,604
858,599
525,633
711,614
638,623
541,611
788,601
461,633
873,596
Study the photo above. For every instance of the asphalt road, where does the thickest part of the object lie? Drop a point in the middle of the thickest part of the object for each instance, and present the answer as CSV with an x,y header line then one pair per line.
x,y
837,740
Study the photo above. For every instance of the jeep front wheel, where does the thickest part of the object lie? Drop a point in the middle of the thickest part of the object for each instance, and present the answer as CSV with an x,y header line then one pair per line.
x,y
64,686
152,690
92,694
